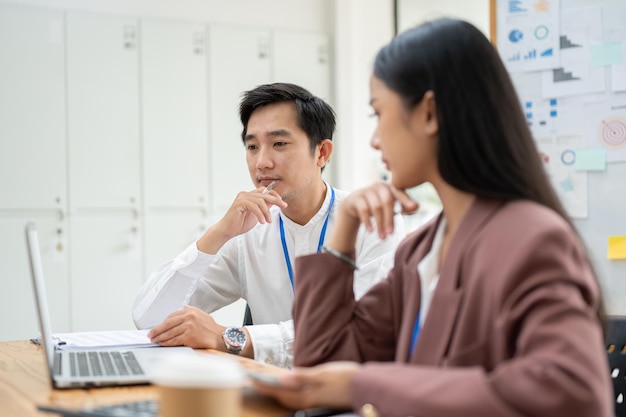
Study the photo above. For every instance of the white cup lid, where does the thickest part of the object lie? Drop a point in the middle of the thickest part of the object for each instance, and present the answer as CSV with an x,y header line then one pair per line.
x,y
199,371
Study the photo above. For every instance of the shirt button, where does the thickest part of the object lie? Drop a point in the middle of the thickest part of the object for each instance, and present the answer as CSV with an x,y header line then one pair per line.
x,y
269,361
368,410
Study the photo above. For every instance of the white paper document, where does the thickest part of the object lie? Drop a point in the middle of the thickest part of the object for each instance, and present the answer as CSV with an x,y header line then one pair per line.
x,y
104,339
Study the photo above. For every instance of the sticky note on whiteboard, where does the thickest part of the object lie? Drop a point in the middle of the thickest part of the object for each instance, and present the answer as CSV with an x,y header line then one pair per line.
x,y
606,54
590,159
617,247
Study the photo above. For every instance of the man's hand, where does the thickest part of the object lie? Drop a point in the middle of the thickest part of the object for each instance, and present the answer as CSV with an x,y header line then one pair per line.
x,y
248,209
189,327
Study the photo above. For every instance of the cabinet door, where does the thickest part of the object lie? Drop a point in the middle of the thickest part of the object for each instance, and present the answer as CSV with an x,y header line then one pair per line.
x,y
303,59
239,61
103,119
169,232
17,306
174,114
32,109
105,270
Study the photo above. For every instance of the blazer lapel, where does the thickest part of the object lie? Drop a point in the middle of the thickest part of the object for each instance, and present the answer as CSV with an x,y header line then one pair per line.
x,y
438,329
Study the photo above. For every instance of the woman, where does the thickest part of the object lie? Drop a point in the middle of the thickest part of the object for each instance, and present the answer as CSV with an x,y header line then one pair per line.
x,y
492,308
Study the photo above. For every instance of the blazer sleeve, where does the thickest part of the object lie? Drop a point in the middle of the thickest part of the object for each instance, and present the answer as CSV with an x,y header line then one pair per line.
x,y
330,324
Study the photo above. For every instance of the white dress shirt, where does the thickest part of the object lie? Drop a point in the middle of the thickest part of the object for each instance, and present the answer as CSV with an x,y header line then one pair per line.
x,y
252,266
428,270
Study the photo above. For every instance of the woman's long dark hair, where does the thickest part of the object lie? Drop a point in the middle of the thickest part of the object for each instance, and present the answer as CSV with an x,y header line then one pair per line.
x,y
485,146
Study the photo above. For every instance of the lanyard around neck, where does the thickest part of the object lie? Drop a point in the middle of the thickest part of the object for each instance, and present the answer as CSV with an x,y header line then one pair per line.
x,y
416,334
320,243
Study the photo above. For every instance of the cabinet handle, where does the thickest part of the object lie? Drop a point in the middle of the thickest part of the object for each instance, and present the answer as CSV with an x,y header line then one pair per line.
x,y
130,37
322,54
197,45
263,48
59,245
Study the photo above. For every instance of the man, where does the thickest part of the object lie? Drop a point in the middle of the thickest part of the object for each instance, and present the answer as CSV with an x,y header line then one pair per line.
x,y
250,252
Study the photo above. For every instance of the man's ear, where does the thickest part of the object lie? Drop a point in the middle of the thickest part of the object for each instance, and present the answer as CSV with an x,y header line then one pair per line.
x,y
325,150
432,123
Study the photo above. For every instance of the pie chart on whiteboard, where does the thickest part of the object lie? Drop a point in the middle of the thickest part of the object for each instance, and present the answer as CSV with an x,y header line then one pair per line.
x,y
613,132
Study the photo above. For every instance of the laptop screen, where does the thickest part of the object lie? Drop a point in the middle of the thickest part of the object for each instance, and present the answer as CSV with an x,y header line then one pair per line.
x,y
41,300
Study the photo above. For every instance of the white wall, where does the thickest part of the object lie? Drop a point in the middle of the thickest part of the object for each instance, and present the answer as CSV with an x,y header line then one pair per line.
x,y
305,15
362,27
412,12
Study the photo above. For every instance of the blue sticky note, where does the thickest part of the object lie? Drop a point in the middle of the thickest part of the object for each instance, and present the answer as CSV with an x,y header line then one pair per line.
x,y
590,159
553,102
606,54
567,185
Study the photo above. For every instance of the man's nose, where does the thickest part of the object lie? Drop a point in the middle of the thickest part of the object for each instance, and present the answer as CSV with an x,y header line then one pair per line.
x,y
264,158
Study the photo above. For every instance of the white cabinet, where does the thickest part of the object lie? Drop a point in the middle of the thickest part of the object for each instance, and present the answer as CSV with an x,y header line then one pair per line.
x,y
33,169
103,114
106,271
17,306
168,232
303,59
175,136
32,109
239,61
174,114
104,169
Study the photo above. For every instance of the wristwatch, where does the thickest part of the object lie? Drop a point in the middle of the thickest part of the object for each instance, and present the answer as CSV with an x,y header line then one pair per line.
x,y
235,340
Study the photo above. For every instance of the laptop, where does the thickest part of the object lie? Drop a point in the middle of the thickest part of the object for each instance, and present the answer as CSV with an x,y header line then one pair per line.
x,y
83,368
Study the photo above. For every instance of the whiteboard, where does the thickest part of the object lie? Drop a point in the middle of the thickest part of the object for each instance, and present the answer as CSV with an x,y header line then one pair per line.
x,y
598,210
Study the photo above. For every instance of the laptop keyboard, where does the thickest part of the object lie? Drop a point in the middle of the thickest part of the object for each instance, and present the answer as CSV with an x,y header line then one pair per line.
x,y
131,409
102,363
145,408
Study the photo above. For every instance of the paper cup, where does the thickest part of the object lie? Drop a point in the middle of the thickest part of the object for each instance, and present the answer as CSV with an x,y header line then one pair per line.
x,y
199,386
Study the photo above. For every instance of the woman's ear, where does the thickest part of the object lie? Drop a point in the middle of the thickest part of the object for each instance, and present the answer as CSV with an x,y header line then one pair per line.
x,y
430,109
325,150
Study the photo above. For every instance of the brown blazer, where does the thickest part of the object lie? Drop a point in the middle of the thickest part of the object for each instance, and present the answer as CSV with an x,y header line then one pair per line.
x,y
511,329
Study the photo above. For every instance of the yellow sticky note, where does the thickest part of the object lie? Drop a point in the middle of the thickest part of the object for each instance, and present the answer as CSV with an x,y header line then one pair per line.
x,y
617,247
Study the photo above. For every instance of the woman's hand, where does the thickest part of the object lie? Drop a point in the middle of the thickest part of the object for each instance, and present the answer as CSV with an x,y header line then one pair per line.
x,y
373,205
377,204
324,385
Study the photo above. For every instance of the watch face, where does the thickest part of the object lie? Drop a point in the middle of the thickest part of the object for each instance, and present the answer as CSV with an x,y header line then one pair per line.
x,y
236,336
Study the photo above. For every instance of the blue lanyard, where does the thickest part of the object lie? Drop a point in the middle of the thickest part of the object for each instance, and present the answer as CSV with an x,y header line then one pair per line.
x,y
416,333
321,241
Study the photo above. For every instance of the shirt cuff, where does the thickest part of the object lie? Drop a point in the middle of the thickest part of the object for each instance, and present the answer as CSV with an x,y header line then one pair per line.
x,y
269,345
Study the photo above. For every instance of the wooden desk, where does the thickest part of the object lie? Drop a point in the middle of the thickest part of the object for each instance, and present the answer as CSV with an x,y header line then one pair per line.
x,y
24,384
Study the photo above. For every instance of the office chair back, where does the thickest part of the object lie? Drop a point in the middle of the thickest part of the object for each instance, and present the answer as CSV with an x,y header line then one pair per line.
x,y
616,351
247,317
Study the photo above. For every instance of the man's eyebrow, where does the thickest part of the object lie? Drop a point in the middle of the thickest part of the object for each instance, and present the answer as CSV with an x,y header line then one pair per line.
x,y
273,133
279,133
